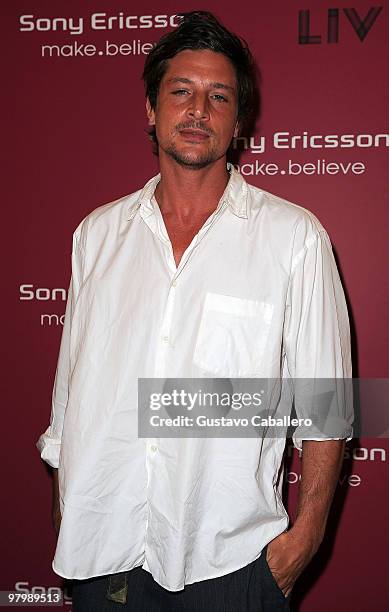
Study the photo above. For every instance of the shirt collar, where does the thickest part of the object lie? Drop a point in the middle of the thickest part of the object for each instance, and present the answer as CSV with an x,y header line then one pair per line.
x,y
237,193
234,196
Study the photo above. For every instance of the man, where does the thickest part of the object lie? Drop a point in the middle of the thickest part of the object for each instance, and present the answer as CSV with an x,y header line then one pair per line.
x,y
197,275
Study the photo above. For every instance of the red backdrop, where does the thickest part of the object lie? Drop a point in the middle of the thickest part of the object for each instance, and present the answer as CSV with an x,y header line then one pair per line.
x,y
75,138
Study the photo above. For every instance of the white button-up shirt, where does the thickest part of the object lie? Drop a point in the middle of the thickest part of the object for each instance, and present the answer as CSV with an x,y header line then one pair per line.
x,y
256,294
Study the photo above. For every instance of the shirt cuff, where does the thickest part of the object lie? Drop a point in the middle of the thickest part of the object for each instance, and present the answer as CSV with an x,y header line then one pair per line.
x,y
298,442
49,448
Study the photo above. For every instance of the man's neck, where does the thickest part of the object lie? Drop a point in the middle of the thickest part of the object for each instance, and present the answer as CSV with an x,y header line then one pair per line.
x,y
185,194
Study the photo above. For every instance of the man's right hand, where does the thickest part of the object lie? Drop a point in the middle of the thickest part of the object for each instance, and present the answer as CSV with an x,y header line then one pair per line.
x,y
56,511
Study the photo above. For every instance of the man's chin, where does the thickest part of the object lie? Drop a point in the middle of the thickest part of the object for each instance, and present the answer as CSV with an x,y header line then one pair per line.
x,y
192,162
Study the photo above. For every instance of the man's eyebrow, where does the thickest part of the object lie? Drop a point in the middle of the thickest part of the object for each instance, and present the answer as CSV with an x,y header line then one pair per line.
x,y
214,85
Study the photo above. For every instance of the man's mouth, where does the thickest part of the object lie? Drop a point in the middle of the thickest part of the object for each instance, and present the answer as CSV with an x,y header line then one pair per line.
x,y
194,135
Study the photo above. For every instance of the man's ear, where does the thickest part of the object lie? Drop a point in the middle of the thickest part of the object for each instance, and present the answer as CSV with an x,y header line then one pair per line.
x,y
150,112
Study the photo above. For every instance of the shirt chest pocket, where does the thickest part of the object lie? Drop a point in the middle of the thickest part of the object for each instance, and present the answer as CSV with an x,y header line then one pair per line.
x,y
232,335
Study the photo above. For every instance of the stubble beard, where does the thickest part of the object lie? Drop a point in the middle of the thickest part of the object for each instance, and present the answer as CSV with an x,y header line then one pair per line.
x,y
191,161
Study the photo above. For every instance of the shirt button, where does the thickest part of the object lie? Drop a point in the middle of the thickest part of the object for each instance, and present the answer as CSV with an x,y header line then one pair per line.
x,y
153,448
174,283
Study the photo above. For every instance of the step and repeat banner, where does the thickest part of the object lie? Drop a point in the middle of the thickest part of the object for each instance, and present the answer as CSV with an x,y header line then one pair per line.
x,y
75,137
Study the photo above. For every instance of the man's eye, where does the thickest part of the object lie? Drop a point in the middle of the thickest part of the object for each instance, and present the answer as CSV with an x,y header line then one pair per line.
x,y
179,92
219,98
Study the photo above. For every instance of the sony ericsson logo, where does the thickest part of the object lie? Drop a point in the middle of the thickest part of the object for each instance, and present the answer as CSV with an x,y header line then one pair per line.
x,y
327,28
43,294
96,22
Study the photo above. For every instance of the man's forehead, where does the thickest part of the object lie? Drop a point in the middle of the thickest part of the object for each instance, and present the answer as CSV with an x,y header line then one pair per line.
x,y
190,65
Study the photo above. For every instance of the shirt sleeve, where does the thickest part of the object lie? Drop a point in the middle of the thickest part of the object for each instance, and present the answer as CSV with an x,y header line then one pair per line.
x,y
49,443
317,347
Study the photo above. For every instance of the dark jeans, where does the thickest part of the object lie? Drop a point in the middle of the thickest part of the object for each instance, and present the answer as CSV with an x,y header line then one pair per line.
x,y
249,589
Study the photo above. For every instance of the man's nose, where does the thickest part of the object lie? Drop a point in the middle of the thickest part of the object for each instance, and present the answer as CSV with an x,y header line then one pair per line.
x,y
198,108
